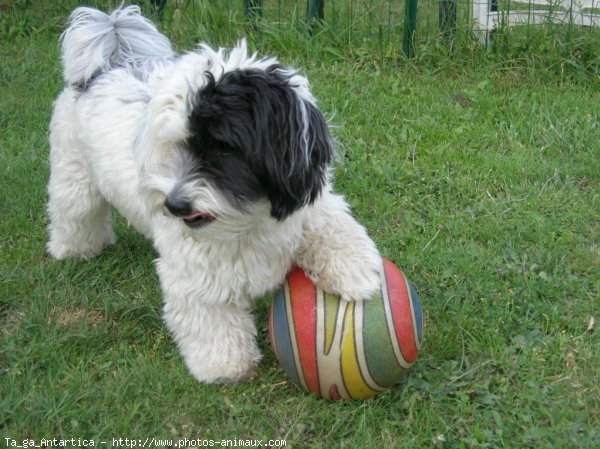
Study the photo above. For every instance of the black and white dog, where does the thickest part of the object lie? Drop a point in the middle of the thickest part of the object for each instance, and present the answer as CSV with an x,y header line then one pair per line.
x,y
221,158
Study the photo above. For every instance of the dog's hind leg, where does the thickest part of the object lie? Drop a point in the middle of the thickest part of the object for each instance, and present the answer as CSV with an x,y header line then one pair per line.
x,y
80,218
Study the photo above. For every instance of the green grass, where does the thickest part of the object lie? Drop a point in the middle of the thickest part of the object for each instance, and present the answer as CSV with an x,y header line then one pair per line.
x,y
482,183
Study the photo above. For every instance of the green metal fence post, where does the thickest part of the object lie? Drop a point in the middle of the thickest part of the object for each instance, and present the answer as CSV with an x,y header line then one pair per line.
x,y
410,28
315,9
315,13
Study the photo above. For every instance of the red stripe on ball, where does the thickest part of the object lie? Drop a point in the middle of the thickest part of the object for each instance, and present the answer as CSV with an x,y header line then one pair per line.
x,y
401,311
305,322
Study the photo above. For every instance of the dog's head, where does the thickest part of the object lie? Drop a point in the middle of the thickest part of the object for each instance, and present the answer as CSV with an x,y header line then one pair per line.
x,y
241,137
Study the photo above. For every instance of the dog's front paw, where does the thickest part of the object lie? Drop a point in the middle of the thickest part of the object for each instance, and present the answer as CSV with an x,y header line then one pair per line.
x,y
221,357
227,367
337,253
349,281
223,374
218,341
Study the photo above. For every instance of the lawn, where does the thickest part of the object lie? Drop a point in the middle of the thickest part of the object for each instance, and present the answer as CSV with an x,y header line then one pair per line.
x,y
481,182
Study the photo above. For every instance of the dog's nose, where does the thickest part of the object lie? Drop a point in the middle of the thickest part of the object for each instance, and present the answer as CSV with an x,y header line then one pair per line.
x,y
178,206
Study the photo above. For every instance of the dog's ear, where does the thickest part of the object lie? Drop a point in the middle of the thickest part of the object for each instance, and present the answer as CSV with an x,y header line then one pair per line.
x,y
282,136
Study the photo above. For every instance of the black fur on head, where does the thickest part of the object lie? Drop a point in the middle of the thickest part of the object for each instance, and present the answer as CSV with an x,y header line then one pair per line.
x,y
253,137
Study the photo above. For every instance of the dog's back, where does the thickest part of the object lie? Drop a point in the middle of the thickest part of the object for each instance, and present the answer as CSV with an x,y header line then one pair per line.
x,y
95,43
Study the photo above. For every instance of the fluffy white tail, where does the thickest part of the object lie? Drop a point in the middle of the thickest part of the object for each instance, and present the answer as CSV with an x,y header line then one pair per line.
x,y
95,42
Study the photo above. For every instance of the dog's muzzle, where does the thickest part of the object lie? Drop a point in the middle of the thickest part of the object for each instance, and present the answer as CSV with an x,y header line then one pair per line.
x,y
182,208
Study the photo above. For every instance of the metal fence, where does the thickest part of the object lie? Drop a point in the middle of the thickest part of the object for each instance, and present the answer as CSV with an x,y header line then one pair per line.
x,y
406,28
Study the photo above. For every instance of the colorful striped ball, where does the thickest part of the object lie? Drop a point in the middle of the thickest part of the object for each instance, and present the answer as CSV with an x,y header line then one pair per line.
x,y
346,350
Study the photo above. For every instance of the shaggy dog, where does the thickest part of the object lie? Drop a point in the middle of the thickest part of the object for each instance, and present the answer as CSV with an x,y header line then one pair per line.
x,y
220,158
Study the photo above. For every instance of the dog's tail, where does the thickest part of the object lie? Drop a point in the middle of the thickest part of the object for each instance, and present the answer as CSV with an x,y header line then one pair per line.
x,y
95,42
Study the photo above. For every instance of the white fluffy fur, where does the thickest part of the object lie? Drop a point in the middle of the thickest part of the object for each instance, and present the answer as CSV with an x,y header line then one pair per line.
x,y
116,144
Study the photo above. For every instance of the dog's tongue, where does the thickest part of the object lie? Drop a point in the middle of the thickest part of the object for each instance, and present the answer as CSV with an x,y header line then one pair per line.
x,y
197,215
198,219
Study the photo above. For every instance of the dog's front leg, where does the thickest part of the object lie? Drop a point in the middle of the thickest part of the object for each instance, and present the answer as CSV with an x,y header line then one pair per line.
x,y
336,251
218,342
213,328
